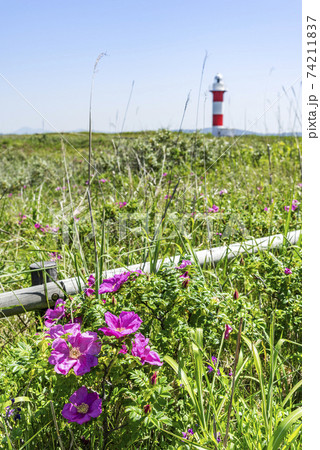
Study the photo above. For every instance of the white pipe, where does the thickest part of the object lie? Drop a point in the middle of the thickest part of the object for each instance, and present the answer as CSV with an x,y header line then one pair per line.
x,y
34,297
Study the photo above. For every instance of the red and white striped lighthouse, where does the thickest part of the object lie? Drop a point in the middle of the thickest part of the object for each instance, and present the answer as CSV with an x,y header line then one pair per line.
x,y
217,90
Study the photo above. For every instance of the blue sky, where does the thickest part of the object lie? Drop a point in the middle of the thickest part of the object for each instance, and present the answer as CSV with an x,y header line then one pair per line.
x,y
48,50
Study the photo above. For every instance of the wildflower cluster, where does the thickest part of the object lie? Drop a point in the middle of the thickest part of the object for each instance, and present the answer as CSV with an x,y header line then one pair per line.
x,y
121,204
293,207
75,350
46,228
22,217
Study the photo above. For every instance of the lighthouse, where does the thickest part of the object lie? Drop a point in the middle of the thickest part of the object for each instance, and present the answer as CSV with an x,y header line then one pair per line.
x,y
217,90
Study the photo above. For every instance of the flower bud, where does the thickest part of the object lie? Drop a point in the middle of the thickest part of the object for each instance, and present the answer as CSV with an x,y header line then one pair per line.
x,y
114,301
147,409
236,295
185,282
153,379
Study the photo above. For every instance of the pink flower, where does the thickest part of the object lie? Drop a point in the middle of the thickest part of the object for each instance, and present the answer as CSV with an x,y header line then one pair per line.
x,y
214,208
83,407
287,208
59,330
121,204
88,292
184,275
114,283
128,322
287,271
103,180
10,195
52,315
184,264
223,191
141,349
265,209
91,280
227,331
37,225
58,188
164,174
55,256
124,349
81,356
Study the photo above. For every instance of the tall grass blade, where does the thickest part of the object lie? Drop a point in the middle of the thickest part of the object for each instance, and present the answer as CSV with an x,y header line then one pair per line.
x,y
283,428
293,390
258,366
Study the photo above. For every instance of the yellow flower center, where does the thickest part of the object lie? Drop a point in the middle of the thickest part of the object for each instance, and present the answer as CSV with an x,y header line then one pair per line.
x,y
74,353
83,408
120,329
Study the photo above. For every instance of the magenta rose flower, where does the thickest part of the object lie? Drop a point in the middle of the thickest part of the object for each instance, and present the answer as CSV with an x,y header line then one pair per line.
x,y
80,356
91,280
184,264
141,349
214,208
59,330
287,271
114,283
89,291
128,322
83,407
52,315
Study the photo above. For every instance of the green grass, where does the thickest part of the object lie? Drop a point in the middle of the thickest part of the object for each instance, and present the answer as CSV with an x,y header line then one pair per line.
x,y
163,216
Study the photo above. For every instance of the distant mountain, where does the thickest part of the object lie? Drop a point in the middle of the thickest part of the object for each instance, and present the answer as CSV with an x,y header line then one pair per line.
x,y
224,132
28,130
238,132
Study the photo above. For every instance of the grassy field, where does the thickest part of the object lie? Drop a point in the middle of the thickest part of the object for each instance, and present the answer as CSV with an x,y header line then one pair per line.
x,y
154,195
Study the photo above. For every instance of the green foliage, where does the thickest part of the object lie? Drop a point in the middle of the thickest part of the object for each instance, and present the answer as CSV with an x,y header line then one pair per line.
x,y
185,322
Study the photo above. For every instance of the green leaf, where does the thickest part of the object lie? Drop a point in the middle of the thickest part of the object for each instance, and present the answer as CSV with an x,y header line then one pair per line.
x,y
258,366
283,428
293,390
